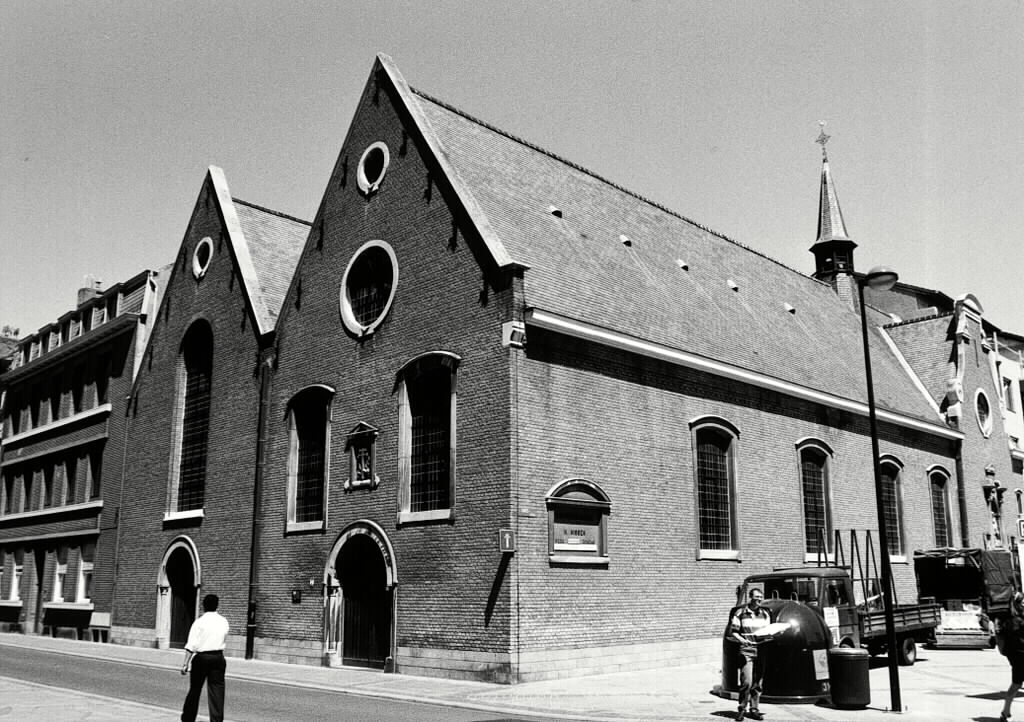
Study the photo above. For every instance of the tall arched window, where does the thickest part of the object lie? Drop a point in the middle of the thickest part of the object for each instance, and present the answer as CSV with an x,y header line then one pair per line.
x,y
938,482
426,442
814,485
309,420
714,444
197,364
892,501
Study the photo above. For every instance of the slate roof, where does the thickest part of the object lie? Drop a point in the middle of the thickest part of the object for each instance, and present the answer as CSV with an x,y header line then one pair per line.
x,y
728,304
275,242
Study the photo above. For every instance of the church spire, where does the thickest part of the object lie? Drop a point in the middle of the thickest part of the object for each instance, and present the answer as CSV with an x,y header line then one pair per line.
x,y
833,251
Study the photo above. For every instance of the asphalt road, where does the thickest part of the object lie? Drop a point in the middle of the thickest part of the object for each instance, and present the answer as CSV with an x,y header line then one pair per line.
x,y
246,700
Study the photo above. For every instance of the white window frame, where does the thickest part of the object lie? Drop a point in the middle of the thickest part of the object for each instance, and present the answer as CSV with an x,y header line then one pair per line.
x,y
450,361
293,526
14,593
725,427
199,268
60,577
815,444
986,426
84,568
348,316
366,186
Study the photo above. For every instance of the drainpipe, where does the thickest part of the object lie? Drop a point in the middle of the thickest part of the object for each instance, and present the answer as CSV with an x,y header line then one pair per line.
x,y
265,369
961,494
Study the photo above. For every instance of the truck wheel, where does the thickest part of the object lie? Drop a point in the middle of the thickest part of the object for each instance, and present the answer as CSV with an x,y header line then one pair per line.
x,y
907,651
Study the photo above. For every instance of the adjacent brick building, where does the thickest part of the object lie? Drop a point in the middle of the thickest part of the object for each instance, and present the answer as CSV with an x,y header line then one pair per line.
x,y
62,448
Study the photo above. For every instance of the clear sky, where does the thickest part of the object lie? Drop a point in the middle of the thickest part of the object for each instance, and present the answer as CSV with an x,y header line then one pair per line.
x,y
110,113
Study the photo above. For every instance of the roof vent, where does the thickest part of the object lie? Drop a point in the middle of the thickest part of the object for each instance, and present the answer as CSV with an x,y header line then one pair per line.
x,y
683,264
733,285
626,241
555,211
789,307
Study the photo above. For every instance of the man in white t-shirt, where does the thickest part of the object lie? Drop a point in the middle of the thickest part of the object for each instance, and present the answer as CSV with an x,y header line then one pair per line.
x,y
204,658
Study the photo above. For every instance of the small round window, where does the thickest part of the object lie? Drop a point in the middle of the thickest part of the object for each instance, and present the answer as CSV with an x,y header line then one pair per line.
x,y
368,287
201,257
983,412
372,167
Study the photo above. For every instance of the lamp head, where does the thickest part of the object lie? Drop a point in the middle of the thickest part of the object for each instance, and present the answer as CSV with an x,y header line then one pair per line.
x,y
880,278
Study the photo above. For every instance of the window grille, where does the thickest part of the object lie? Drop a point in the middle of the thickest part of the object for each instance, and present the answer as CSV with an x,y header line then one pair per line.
x,y
310,430
8,494
369,285
812,472
430,409
99,314
195,422
713,489
132,302
891,504
940,510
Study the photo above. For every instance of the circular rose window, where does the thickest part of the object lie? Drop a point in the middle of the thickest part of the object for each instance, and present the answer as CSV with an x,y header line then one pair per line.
x,y
372,167
983,412
368,287
201,257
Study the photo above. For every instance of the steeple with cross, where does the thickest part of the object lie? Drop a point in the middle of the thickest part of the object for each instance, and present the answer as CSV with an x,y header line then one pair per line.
x,y
833,251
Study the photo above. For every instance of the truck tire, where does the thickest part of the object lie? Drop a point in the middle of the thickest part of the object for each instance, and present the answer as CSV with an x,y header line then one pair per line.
x,y
907,651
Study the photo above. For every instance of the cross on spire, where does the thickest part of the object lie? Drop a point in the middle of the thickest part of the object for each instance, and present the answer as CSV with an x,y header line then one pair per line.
x,y
823,139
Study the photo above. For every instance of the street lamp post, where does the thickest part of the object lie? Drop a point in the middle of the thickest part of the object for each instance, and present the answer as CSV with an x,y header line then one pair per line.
x,y
882,279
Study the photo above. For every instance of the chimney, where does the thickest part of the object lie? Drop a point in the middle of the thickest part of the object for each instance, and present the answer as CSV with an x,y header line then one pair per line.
x,y
91,290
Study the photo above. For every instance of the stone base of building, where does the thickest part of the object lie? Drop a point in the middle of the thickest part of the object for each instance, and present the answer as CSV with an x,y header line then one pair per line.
x,y
534,665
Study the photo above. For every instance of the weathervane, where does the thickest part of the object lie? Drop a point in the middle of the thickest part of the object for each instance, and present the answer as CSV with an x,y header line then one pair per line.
x,y
823,139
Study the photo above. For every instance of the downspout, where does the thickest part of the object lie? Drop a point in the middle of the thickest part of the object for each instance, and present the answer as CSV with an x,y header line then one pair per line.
x,y
961,494
267,358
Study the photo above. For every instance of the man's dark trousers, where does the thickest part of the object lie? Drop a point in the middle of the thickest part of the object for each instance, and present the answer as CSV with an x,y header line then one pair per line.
x,y
207,667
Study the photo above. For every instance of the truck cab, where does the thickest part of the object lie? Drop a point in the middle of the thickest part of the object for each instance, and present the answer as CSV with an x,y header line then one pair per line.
x,y
828,590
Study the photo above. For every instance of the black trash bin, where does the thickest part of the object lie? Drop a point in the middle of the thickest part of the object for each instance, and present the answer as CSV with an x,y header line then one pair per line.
x,y
849,681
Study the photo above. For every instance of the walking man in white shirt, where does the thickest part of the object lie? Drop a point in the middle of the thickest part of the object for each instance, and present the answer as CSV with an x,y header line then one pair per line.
x,y
204,658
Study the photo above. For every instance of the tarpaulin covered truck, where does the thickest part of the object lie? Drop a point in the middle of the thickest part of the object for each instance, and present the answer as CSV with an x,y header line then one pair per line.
x,y
970,586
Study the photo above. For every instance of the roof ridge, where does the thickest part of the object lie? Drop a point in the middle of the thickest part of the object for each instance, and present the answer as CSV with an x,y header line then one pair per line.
x,y
592,174
919,319
271,211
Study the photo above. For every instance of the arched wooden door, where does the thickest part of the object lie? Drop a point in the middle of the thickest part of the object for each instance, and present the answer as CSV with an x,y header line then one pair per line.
x,y
181,578
366,601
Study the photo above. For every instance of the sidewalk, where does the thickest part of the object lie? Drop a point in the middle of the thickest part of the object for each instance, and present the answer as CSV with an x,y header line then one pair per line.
x,y
943,685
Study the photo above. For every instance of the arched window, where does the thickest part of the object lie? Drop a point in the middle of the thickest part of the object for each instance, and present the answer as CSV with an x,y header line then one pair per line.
x,y
426,437
196,369
938,482
814,484
892,501
309,421
714,444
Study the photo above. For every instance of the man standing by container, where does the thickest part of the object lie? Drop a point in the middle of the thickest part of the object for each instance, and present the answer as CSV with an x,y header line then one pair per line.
x,y
204,662
747,620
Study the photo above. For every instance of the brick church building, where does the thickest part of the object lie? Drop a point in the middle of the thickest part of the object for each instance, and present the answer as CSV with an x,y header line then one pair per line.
x,y
493,416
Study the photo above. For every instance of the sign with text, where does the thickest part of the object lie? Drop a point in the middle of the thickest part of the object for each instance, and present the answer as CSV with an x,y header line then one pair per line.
x,y
576,536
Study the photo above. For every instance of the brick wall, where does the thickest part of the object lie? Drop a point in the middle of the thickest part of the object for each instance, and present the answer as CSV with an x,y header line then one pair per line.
x,y
453,591
623,422
222,536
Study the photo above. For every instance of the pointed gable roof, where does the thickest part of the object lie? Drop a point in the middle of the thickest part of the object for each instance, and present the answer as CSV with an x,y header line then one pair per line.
x,y
600,256
266,247
275,243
